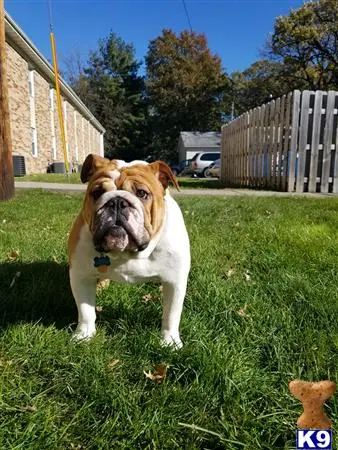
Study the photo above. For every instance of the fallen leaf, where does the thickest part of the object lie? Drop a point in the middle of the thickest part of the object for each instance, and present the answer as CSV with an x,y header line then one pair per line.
x,y
31,409
113,363
16,276
147,298
99,309
4,362
159,374
242,312
228,274
102,284
13,255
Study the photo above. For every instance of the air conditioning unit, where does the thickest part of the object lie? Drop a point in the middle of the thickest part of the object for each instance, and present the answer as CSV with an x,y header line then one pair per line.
x,y
19,167
58,167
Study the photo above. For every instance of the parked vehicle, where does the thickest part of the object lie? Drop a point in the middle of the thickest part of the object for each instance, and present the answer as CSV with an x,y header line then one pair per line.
x,y
179,168
201,162
214,170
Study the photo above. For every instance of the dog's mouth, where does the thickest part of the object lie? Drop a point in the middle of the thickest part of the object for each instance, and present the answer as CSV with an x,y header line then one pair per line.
x,y
118,226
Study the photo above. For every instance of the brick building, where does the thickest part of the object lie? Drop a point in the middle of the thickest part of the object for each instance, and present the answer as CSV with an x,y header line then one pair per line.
x,y
35,126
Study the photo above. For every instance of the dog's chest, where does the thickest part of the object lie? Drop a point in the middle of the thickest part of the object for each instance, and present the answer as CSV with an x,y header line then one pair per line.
x,y
117,267
131,271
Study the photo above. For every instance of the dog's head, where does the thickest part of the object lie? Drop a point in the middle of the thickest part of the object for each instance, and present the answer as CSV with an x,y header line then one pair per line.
x,y
124,202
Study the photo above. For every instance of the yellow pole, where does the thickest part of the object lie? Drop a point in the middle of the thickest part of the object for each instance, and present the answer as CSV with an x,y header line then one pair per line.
x,y
58,96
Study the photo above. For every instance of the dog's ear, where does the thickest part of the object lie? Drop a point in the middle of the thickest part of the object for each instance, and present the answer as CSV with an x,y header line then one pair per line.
x,y
91,164
164,174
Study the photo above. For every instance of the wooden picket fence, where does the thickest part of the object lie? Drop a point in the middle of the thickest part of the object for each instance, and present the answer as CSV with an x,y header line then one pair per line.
x,y
289,144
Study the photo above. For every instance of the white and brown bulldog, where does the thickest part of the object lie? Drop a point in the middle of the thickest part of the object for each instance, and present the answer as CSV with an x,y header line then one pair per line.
x,y
129,230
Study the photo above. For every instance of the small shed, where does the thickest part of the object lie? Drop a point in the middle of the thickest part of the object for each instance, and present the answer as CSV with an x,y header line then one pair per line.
x,y
192,142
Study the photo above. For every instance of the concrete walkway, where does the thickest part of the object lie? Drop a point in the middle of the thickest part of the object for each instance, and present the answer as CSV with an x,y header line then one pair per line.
x,y
67,187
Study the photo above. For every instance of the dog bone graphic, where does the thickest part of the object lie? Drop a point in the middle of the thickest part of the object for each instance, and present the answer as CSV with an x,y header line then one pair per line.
x,y
313,396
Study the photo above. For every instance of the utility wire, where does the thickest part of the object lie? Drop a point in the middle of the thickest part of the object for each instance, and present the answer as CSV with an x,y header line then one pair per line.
x,y
187,14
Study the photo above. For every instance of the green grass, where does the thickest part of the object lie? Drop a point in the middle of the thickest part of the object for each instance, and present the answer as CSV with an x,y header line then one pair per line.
x,y
190,183
51,178
200,183
231,378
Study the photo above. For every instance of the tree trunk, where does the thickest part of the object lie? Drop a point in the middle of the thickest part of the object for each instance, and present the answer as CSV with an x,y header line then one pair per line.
x,y
6,162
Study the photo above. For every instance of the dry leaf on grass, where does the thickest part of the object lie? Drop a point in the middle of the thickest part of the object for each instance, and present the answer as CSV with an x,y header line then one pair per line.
x,y
247,276
102,284
16,276
229,273
4,362
13,255
31,409
147,298
159,374
99,309
242,312
113,363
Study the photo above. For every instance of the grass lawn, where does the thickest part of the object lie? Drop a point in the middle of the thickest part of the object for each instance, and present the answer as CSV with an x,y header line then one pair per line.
x,y
261,309
51,178
190,183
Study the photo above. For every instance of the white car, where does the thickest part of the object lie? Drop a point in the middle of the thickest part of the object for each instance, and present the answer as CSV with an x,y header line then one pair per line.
x,y
214,170
200,163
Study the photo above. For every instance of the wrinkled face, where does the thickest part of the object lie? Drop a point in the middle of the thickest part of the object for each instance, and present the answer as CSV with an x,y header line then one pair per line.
x,y
124,203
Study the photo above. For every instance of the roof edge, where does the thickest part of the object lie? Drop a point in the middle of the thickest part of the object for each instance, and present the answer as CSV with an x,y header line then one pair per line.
x,y
28,49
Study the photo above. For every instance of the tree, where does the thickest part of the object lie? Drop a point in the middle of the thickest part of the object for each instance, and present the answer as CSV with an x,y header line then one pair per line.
x,y
258,84
74,74
111,88
186,88
306,42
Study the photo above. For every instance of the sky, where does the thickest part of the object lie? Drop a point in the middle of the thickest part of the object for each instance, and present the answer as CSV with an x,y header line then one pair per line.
x,y
236,29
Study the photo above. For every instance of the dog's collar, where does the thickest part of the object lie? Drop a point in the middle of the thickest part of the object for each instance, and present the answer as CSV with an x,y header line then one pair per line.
x,y
102,263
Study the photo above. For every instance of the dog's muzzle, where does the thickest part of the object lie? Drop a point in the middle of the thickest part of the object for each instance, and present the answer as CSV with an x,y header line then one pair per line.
x,y
119,224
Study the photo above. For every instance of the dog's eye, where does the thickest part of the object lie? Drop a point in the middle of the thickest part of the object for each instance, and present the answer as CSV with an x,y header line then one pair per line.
x,y
96,194
140,193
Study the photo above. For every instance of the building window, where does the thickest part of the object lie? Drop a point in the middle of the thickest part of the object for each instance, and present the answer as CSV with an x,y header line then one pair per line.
x,y
52,119
34,139
75,135
51,98
54,147
31,83
34,142
65,126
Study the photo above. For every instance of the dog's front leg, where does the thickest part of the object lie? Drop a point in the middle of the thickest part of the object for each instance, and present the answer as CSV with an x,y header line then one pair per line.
x,y
173,297
84,292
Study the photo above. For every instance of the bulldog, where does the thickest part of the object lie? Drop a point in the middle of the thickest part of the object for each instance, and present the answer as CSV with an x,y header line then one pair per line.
x,y
129,230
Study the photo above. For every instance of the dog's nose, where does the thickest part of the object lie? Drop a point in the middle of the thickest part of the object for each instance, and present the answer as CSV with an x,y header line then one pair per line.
x,y
118,202
122,203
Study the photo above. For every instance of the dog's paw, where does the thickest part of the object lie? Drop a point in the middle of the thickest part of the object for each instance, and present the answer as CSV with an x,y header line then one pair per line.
x,y
171,339
83,334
